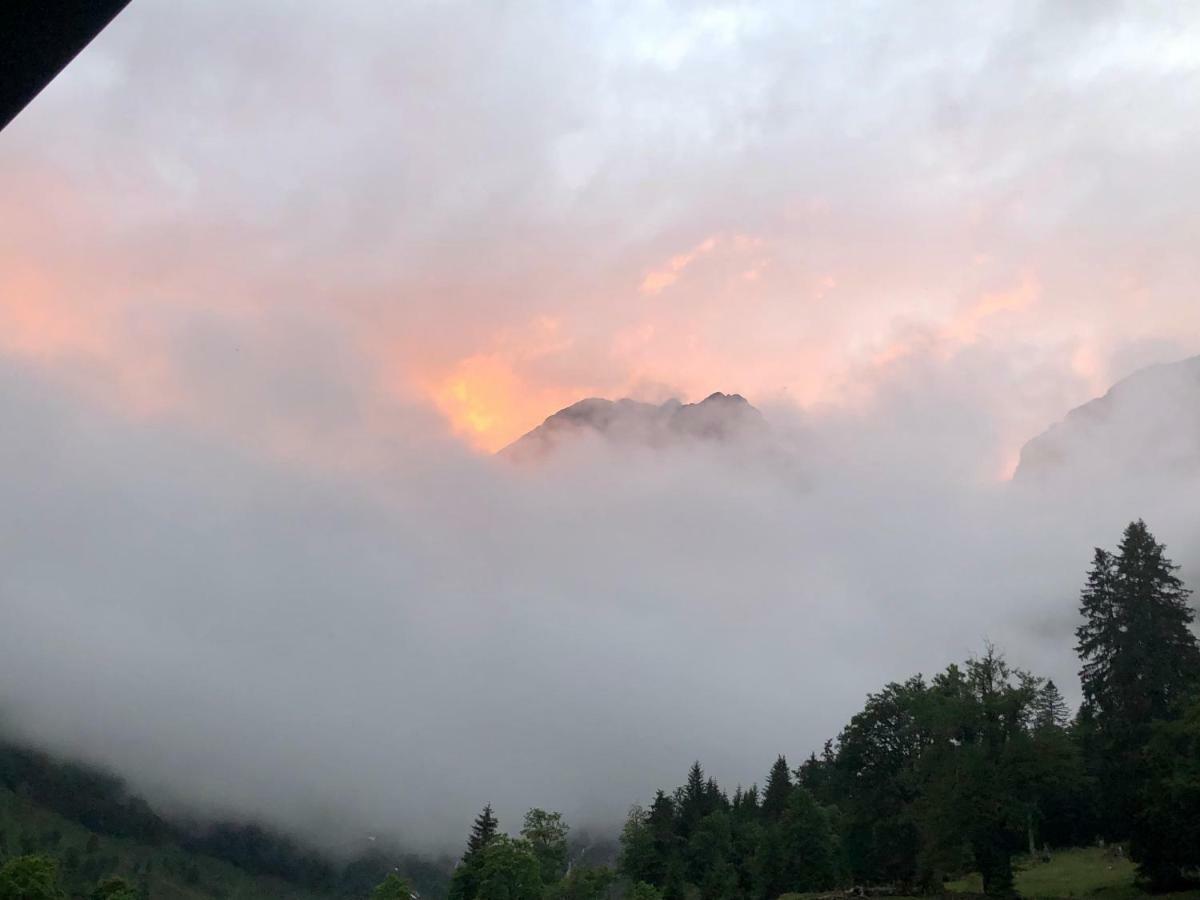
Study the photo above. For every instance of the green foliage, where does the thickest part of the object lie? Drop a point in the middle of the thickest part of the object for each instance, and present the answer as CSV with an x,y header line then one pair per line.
x,y
583,883
1050,710
482,831
508,870
1166,833
466,880
546,833
810,842
163,870
392,888
875,771
30,878
1140,662
116,889
643,891
707,859
638,859
778,787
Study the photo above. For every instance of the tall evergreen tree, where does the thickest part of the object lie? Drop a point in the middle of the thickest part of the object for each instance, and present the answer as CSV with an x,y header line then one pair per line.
x,y
1140,660
661,820
692,800
482,831
465,882
777,790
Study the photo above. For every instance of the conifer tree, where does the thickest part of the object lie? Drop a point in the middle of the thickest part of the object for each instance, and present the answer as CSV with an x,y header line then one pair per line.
x,y
691,800
777,790
1140,661
749,803
714,797
661,820
482,831
1050,710
464,883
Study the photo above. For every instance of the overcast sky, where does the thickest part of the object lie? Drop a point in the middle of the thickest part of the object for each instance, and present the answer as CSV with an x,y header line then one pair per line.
x,y
275,277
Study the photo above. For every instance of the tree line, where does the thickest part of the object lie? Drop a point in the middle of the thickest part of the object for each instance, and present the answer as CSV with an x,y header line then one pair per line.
x,y
933,778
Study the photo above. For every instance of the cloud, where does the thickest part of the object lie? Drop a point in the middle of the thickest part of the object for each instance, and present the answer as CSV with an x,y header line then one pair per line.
x,y
273,275
424,182
660,279
353,653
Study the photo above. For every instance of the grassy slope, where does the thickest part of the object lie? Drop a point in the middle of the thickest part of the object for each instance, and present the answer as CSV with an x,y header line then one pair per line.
x,y
1087,872
169,864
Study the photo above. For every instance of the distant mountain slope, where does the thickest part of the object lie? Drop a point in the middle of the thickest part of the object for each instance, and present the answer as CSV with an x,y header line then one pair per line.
x,y
1148,422
718,417
94,828
158,871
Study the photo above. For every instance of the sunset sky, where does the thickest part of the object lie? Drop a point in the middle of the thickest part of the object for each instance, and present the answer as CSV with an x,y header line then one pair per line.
x,y
276,277
276,222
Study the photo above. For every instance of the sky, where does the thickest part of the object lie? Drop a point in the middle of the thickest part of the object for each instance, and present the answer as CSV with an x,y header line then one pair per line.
x,y
277,278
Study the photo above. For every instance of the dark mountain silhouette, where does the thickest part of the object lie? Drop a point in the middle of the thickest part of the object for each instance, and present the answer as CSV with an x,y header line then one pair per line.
x,y
717,418
1147,423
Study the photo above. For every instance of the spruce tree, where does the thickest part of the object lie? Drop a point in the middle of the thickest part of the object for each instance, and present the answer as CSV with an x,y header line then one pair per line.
x,y
661,820
714,797
464,883
1050,710
482,831
777,790
1140,660
691,800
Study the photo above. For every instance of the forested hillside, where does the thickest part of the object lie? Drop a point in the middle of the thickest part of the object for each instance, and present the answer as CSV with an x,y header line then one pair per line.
x,y
93,830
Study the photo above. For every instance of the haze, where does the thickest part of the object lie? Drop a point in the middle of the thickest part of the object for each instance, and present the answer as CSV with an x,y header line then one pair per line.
x,y
276,278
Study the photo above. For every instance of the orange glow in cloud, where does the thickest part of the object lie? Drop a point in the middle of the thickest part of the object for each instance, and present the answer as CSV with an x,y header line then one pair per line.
x,y
961,329
490,399
1085,362
39,324
34,325
966,327
660,279
490,405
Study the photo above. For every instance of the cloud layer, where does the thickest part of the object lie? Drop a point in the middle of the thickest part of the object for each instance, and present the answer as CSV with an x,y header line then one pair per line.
x,y
272,274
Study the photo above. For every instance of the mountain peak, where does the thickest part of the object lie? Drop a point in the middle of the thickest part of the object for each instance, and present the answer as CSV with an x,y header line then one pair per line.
x,y
718,417
1148,421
